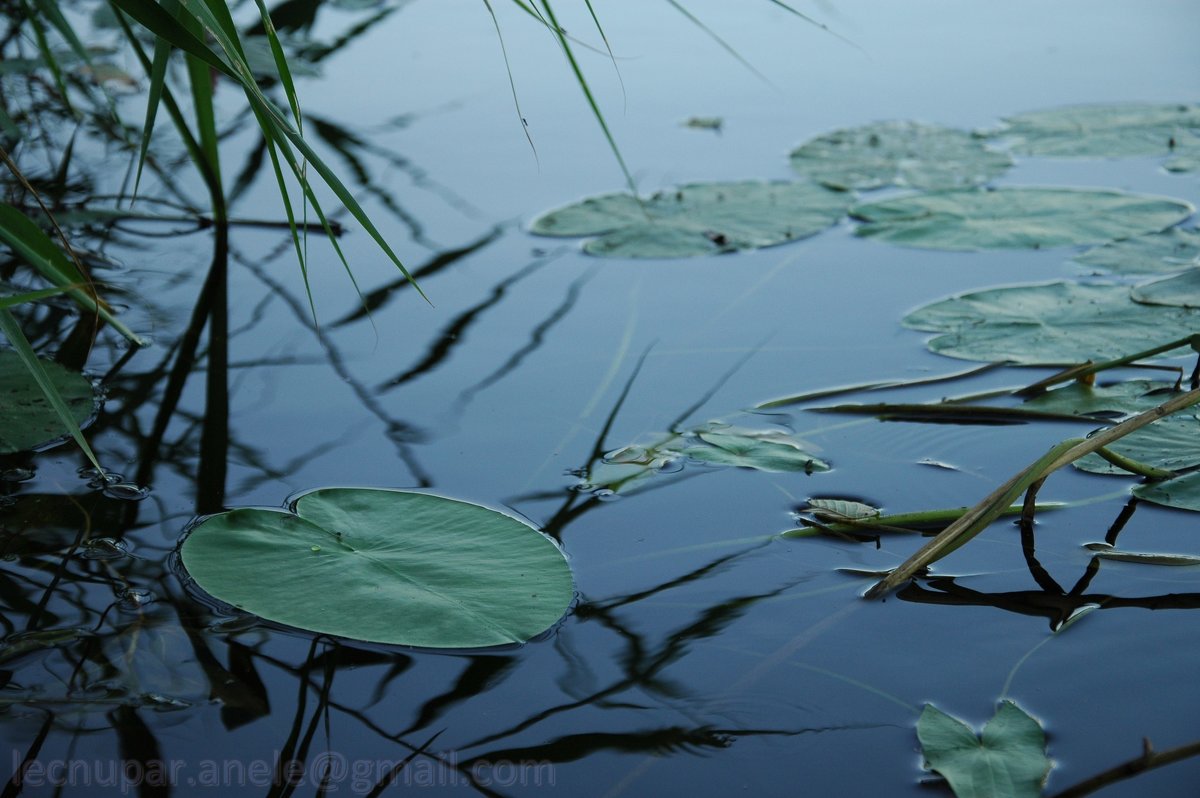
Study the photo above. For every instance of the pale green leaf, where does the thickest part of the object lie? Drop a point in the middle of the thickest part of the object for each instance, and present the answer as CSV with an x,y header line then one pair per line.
x,y
1008,761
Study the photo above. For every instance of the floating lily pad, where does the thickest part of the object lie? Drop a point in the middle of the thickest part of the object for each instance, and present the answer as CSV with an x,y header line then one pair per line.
x,y
763,450
1120,399
1169,251
385,566
899,154
27,420
697,219
1180,291
1182,493
1015,218
1049,323
1105,131
843,509
1172,443
1008,761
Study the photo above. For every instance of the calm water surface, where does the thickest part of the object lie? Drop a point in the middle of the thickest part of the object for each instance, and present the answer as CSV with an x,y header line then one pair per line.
x,y
703,657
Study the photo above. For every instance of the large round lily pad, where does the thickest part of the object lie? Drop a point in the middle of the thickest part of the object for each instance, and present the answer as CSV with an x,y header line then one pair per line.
x,y
697,219
1169,251
385,566
1116,130
1049,323
1119,399
27,419
899,154
1015,218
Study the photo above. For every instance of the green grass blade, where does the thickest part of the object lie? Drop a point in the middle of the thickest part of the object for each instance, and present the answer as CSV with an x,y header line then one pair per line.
x,y
587,92
812,21
607,46
154,96
30,296
724,44
12,331
43,45
34,247
511,83
281,64
158,21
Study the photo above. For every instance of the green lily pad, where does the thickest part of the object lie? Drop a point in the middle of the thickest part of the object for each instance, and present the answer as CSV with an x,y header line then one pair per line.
x,y
385,566
27,420
1104,131
841,509
1180,291
1169,251
1049,323
697,219
763,450
1015,218
1120,399
1181,493
899,154
1008,761
1172,443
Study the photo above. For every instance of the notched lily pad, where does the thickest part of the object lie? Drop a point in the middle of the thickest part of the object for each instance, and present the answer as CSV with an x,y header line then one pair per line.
x,y
763,450
1007,761
1181,493
27,420
1049,323
899,154
1180,291
385,566
1167,252
1015,218
1104,131
697,219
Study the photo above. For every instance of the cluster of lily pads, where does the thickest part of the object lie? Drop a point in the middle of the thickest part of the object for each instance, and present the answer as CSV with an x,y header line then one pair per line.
x,y
950,168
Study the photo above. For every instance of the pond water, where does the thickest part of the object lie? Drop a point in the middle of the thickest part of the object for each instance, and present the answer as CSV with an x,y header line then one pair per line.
x,y
704,655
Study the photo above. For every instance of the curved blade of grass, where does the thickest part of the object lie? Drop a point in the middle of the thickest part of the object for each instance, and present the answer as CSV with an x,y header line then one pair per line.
x,y
724,44
607,46
43,45
512,84
12,331
587,93
281,64
35,248
812,21
13,300
154,94
982,514
158,21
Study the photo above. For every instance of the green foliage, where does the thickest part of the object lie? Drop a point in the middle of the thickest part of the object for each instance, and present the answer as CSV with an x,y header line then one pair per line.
x,y
28,416
899,154
1082,399
1007,761
1180,291
1048,323
1169,251
697,219
385,566
1181,493
1172,443
1015,218
1105,131
1107,551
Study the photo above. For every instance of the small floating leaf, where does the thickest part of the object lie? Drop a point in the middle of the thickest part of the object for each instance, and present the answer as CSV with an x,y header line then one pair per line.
x,y
1181,493
1015,218
1008,761
1168,251
900,154
1105,131
1048,323
1172,443
27,419
1180,291
394,567
1108,552
763,450
697,219
843,508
